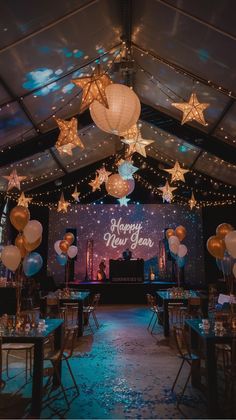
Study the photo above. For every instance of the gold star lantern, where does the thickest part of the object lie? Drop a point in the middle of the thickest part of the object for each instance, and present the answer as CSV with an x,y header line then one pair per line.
x,y
24,201
192,202
76,195
14,180
95,183
192,110
177,173
167,192
136,143
62,204
93,88
103,175
68,138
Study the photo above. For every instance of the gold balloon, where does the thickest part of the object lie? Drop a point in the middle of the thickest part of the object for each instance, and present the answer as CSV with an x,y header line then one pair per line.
x,y
169,233
69,237
31,246
117,187
180,232
216,247
223,229
19,242
64,246
19,217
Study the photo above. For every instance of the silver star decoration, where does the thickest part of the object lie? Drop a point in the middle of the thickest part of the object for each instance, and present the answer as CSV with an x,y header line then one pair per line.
x,y
177,173
167,192
76,195
126,170
123,201
137,144
14,180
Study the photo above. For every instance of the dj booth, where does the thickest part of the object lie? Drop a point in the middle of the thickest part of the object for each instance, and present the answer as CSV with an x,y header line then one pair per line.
x,y
126,271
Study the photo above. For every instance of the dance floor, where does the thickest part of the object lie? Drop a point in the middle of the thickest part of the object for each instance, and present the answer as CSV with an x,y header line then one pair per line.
x,y
122,371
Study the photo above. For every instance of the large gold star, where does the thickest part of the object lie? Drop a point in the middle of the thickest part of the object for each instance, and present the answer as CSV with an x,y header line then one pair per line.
x,y
95,184
192,110
103,175
137,144
192,202
76,195
167,192
177,173
68,138
93,88
24,201
62,204
132,133
14,180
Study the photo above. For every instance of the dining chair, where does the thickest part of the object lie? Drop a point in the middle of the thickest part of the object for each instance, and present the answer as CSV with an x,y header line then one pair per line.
x,y
91,310
185,354
156,311
230,375
53,305
55,357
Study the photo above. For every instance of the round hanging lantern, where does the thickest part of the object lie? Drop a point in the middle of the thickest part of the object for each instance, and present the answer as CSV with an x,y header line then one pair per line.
x,y
117,186
123,112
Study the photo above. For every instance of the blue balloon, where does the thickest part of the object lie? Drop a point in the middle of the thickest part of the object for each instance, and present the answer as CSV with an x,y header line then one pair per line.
x,y
61,259
226,264
180,261
174,256
32,263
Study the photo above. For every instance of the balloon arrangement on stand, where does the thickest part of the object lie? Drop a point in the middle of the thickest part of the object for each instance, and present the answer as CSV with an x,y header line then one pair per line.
x,y
222,246
178,251
19,258
65,252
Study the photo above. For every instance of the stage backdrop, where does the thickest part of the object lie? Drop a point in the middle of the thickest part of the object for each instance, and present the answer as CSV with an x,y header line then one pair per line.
x,y
114,228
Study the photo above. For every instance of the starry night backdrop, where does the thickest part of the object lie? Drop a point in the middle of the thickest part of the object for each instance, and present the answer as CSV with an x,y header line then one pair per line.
x,y
147,222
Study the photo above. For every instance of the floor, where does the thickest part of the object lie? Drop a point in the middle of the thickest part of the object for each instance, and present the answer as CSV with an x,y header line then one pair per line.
x,y
122,370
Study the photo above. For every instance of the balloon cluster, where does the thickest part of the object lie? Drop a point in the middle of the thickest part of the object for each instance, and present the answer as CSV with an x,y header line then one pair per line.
x,y
178,251
222,246
64,248
27,240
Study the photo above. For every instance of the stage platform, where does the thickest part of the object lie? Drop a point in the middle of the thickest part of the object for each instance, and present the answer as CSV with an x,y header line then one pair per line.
x,y
122,292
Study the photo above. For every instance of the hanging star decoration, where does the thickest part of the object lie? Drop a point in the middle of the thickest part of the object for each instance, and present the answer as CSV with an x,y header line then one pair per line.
x,y
103,175
76,194
136,143
123,201
24,201
14,180
126,170
62,204
167,192
93,88
177,173
68,138
192,110
95,184
192,202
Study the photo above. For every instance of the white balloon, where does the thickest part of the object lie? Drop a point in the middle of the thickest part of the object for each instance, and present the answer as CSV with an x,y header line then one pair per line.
x,y
182,251
32,231
57,248
230,242
72,251
234,270
174,248
11,257
173,240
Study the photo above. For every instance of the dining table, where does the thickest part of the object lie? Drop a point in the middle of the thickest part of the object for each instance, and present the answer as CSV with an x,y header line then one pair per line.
x,y
37,337
166,297
207,341
78,298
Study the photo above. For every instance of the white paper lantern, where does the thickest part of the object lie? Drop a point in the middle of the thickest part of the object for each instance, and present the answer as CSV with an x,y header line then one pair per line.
x,y
123,112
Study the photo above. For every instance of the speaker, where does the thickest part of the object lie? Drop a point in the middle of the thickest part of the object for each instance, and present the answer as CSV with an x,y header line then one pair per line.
x,y
72,262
